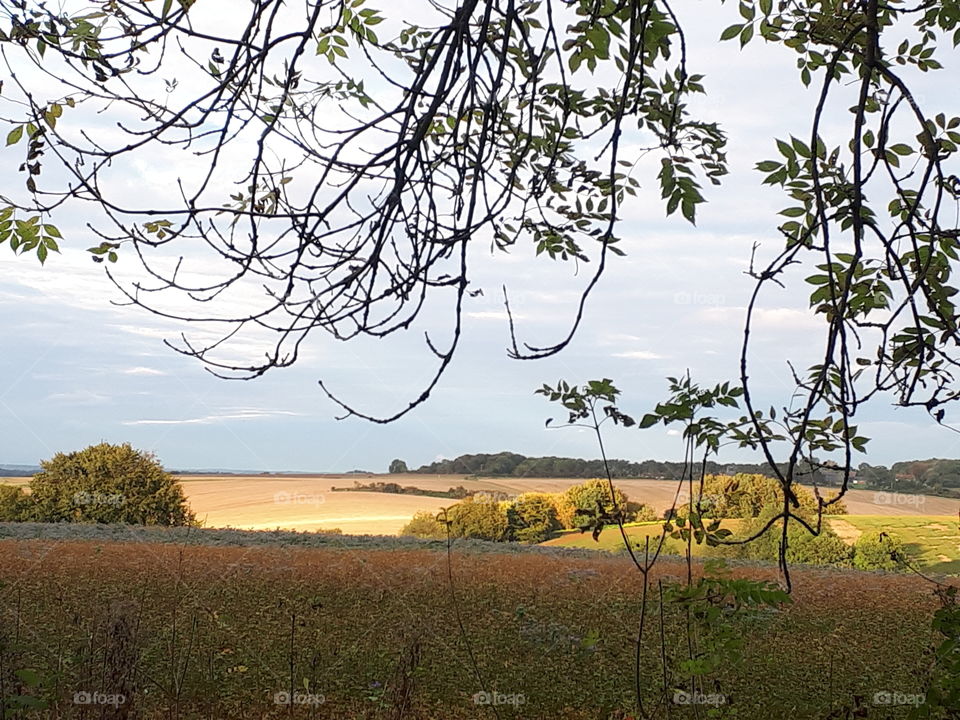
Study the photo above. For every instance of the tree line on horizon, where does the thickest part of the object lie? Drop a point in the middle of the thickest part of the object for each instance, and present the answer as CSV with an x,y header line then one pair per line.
x,y
936,475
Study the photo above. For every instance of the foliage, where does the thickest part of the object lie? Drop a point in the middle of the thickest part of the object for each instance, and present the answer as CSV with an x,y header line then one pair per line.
x,y
108,484
15,504
639,512
392,488
745,496
532,517
398,466
877,550
425,525
588,496
479,517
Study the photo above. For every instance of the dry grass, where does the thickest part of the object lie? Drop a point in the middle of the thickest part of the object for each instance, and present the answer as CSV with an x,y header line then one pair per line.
x,y
218,630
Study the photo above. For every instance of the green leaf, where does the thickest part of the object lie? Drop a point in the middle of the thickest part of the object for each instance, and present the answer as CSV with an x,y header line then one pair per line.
x,y
649,420
731,32
14,136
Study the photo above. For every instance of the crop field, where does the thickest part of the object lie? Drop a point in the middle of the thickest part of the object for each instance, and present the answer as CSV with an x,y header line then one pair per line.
x,y
294,502
194,631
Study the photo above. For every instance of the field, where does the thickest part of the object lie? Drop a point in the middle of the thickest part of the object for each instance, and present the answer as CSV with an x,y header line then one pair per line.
x,y
265,502
218,632
932,541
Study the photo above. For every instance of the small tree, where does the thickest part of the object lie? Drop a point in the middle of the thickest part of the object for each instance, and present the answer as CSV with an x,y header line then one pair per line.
x,y
398,466
878,551
479,517
586,496
425,525
15,504
533,517
108,484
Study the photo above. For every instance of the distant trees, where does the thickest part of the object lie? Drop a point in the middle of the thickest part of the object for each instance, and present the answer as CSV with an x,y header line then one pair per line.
x,y
480,518
398,466
108,484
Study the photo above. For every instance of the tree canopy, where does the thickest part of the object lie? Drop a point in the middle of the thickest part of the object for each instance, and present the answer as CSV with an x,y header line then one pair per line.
x,y
331,163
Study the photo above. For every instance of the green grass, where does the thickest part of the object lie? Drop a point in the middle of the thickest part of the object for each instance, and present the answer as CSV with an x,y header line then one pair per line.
x,y
928,538
611,540
932,541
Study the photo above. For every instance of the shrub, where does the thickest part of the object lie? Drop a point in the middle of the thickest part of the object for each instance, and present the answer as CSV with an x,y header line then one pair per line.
x,y
587,495
425,525
639,512
532,517
565,509
15,504
878,551
827,548
398,466
745,495
108,484
479,517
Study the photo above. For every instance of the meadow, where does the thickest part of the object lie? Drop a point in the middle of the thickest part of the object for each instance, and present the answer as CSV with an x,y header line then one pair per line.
x,y
200,631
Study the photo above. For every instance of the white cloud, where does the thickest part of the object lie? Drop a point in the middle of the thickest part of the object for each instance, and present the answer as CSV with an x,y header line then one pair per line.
x,y
639,355
243,414
143,371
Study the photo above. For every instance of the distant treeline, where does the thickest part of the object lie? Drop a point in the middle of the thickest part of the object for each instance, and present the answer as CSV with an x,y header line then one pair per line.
x,y
935,476
508,464
457,493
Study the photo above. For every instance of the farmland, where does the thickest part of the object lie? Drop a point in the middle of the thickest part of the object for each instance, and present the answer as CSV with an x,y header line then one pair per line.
x,y
220,631
305,502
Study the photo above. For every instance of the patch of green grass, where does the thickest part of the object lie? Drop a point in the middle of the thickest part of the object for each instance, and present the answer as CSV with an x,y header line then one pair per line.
x,y
611,540
932,541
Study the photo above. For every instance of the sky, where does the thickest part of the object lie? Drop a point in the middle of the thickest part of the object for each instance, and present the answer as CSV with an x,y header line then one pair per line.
x,y
76,368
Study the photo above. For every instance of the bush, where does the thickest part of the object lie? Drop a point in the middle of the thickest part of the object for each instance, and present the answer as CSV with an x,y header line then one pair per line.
x,y
15,504
398,466
533,517
425,525
565,509
878,551
746,495
108,484
479,517
639,512
827,548
587,495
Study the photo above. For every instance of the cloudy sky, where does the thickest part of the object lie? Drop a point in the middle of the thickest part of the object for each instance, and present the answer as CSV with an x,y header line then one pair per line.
x,y
76,369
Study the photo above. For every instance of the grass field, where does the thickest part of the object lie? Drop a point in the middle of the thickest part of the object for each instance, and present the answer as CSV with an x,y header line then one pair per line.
x,y
932,541
217,632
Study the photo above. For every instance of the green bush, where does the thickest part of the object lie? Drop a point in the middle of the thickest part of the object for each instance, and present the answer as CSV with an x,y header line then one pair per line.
x,y
876,550
425,525
587,495
479,517
15,504
745,495
532,517
827,548
108,484
639,512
